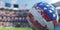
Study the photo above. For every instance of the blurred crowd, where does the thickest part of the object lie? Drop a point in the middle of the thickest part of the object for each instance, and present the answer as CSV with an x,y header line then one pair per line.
x,y
13,18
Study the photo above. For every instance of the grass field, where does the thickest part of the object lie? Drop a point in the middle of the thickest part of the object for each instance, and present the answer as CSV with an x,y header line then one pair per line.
x,y
15,29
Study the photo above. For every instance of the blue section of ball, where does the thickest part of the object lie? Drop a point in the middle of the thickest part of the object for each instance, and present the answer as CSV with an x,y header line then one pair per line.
x,y
48,9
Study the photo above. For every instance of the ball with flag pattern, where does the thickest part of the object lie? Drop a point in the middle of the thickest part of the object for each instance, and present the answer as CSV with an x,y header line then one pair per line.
x,y
43,16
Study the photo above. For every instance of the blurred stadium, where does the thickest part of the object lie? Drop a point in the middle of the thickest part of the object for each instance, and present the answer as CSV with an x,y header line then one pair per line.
x,y
13,18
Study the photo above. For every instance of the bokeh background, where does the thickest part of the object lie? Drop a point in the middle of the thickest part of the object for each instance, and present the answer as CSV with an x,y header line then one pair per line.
x,y
22,5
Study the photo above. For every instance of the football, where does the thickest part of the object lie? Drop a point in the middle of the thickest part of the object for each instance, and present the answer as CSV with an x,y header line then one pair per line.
x,y
43,16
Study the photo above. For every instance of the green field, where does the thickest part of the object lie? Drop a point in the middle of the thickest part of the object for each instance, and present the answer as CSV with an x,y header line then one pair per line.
x,y
15,29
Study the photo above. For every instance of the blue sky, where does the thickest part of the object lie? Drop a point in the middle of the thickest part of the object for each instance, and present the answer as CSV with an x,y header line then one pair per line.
x,y
29,3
